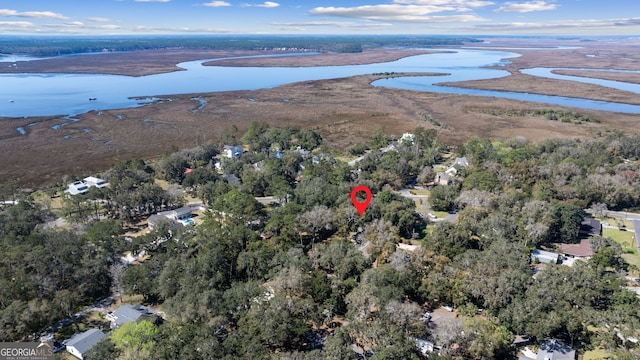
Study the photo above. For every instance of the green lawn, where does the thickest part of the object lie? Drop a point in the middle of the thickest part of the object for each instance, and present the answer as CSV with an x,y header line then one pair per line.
x,y
597,354
626,239
420,192
440,214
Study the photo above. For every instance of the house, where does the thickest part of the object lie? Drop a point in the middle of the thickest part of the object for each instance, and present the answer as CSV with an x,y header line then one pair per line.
x,y
442,178
521,340
155,220
232,151
556,350
582,250
408,137
545,257
177,218
590,227
128,313
460,163
424,346
233,180
304,153
81,187
77,187
95,182
81,343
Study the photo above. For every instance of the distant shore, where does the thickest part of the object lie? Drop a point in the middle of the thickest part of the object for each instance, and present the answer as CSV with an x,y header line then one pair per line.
x,y
344,111
149,62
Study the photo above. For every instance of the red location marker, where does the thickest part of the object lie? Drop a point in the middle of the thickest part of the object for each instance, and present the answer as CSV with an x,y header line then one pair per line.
x,y
360,206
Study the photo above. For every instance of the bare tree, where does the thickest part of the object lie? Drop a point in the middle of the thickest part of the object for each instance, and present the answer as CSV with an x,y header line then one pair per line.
x,y
317,221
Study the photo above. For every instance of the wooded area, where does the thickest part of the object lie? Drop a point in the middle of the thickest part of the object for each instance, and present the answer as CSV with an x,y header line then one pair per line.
x,y
306,277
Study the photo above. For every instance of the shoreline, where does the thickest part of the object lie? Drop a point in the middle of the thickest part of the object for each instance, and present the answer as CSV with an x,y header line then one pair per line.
x,y
345,111
150,62
602,75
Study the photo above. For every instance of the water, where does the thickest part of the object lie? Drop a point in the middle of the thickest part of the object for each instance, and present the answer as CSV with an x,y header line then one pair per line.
x,y
69,94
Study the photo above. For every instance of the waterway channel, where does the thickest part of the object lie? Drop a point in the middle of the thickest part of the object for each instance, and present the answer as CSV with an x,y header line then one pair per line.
x,y
23,95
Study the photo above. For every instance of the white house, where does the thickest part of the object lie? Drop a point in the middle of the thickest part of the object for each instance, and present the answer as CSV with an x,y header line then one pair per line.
x,y
232,151
94,181
81,343
77,187
81,187
408,137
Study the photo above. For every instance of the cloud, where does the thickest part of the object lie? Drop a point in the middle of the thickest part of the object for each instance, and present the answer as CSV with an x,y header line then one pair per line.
x,y
17,24
590,24
217,3
32,14
98,19
458,3
526,7
161,1
268,4
396,12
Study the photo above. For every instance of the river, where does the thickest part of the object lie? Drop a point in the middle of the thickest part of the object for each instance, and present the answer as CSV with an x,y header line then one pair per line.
x,y
23,95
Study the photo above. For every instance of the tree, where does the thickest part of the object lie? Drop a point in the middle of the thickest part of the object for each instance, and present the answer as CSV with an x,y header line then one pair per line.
x,y
135,340
279,322
318,221
566,223
172,168
443,198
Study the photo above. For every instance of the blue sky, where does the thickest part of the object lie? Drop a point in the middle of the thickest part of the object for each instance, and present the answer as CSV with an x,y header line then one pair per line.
x,y
320,17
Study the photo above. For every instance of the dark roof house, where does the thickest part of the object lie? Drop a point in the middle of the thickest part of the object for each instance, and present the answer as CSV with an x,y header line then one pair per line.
x,y
128,313
590,227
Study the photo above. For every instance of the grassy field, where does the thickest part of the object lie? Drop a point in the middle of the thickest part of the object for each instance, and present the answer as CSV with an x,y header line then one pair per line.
x,y
420,192
626,239
597,354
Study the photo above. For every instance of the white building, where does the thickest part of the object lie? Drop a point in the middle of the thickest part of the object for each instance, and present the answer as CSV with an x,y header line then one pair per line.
x,y
81,187
81,343
77,187
409,137
94,181
232,151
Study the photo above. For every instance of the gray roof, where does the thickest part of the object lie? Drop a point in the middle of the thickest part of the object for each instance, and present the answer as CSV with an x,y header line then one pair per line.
x,y
83,342
554,349
128,313
544,256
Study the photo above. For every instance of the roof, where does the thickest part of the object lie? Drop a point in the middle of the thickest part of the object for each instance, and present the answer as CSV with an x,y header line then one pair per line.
x,y
544,256
554,349
583,249
128,313
94,181
591,226
461,161
231,179
83,342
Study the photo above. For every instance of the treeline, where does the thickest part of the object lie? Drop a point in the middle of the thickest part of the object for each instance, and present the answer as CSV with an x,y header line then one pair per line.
x,y
55,46
549,114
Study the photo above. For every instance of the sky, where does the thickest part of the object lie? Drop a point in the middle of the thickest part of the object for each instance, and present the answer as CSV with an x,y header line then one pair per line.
x,y
452,17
